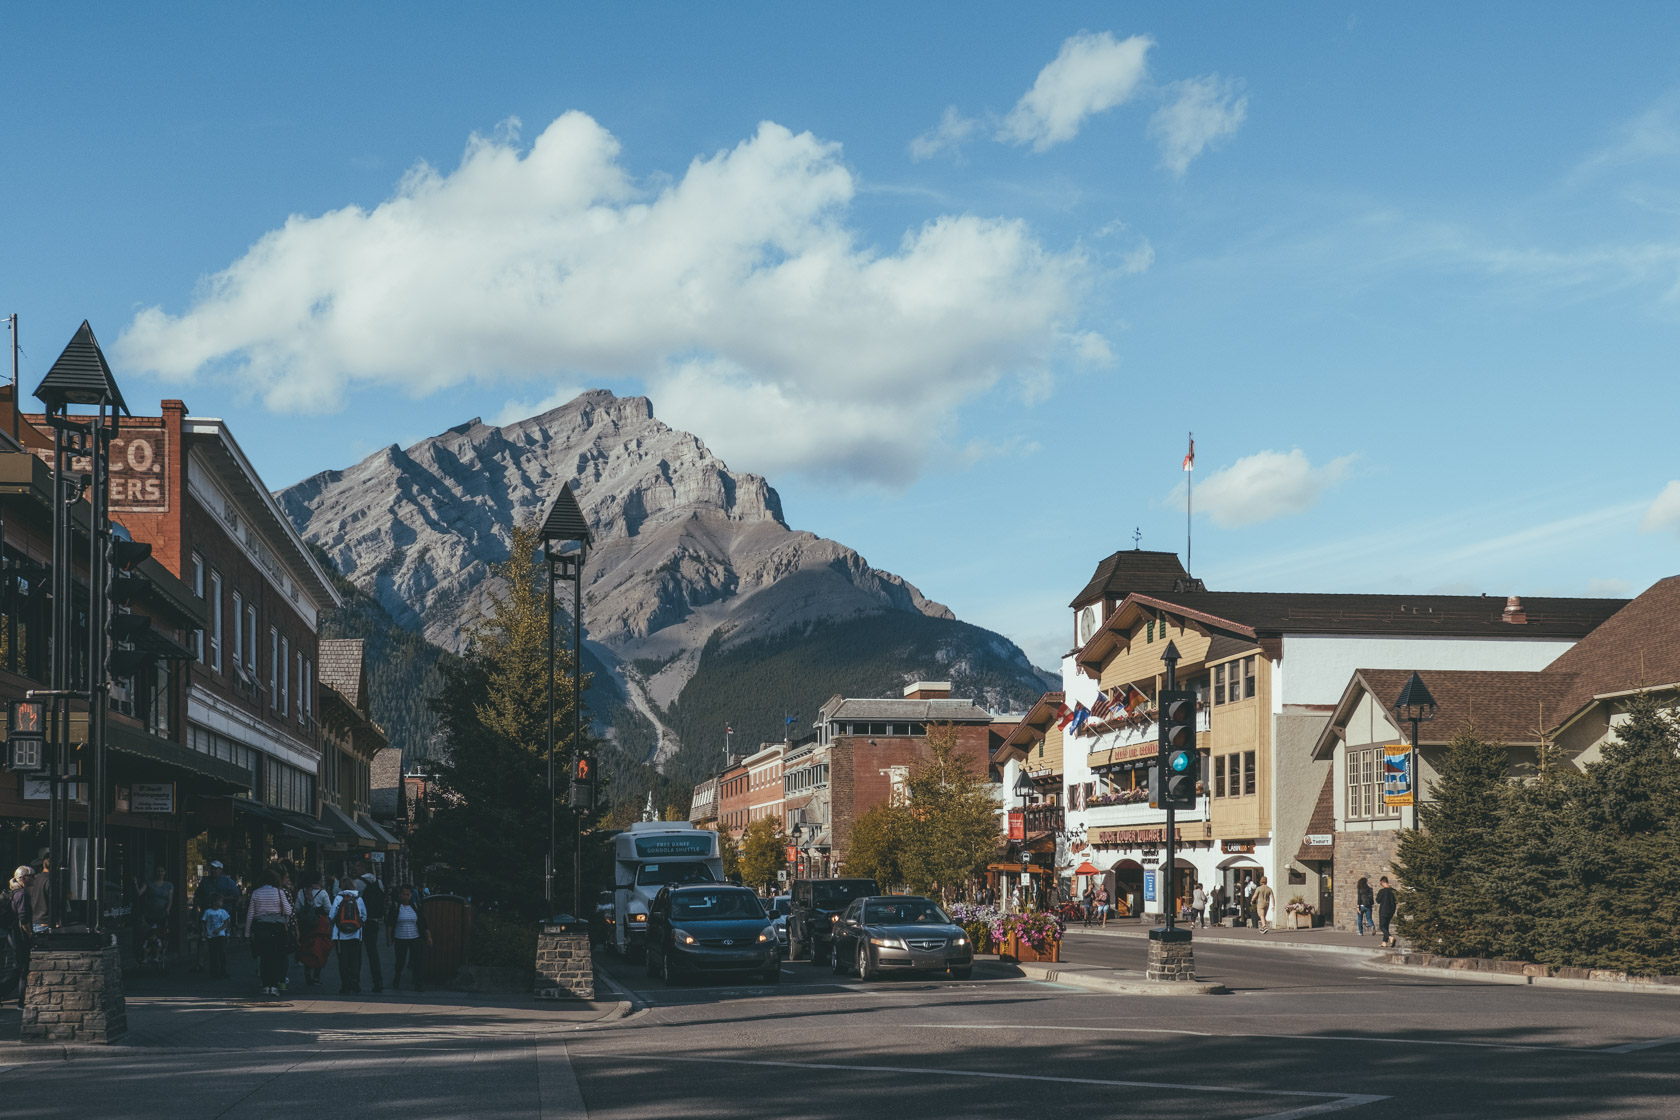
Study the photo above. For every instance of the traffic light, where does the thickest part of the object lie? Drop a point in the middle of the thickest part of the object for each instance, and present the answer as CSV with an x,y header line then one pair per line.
x,y
582,793
26,736
126,629
1177,763
125,584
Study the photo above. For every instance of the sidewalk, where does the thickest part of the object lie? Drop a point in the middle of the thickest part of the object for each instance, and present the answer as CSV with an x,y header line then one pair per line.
x,y
1324,938
184,1010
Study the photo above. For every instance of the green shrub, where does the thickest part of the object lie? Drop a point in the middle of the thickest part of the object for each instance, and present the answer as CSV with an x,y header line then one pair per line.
x,y
502,941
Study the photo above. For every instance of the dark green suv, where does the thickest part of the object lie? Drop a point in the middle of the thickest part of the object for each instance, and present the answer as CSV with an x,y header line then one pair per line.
x,y
816,906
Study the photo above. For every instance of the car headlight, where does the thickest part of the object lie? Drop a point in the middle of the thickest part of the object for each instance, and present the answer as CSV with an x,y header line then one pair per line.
x,y
959,941
768,934
683,936
887,942
638,917
834,917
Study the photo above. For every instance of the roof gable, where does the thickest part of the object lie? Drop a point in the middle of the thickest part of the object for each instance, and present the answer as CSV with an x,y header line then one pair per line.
x,y
1126,571
1637,647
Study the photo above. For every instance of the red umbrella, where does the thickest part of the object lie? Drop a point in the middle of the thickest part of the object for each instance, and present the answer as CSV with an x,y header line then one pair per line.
x,y
1086,869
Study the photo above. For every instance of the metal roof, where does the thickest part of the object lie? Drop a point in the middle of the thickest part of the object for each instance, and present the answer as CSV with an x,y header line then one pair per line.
x,y
565,520
919,711
80,372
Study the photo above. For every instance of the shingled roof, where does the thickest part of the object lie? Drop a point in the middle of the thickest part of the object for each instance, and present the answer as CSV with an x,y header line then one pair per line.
x,y
1506,706
1637,647
343,671
1124,572
1285,612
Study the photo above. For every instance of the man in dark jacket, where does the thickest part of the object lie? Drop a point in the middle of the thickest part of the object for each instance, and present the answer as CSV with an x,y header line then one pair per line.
x,y
1386,904
19,917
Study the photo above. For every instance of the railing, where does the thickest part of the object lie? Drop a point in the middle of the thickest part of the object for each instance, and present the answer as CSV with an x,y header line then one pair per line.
x,y
1146,733
1048,818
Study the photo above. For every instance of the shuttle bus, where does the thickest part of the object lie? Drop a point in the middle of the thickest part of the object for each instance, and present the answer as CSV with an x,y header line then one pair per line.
x,y
648,855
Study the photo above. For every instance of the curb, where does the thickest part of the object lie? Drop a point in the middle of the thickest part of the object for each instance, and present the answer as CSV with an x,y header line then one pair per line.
x,y
627,1001
1142,935
1116,985
1620,987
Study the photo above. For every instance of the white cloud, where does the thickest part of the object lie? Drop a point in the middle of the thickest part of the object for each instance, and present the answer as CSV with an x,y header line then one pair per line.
x,y
1608,588
737,291
1091,349
1090,74
1202,113
1664,513
1266,485
948,135
518,409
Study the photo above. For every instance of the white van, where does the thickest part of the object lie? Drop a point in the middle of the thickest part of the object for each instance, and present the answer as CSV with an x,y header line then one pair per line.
x,y
649,855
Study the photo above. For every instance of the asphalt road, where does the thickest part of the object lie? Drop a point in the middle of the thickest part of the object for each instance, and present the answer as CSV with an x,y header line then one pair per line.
x,y
1302,1034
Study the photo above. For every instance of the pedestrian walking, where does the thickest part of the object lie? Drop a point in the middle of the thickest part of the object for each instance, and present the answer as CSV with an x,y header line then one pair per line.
x,y
1364,898
1216,904
267,919
348,917
1249,887
20,924
375,901
156,900
214,924
1263,905
408,932
314,930
1198,905
1386,904
40,884
1102,906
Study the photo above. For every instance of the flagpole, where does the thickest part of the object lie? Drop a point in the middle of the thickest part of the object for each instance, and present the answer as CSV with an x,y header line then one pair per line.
x,y
1189,486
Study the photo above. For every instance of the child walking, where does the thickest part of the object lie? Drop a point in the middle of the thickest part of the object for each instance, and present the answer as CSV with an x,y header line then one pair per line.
x,y
216,922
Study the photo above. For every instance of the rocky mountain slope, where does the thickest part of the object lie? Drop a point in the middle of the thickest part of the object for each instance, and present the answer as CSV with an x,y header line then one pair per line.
x,y
691,560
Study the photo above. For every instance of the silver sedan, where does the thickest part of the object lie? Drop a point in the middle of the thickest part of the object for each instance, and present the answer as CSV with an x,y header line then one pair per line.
x,y
900,933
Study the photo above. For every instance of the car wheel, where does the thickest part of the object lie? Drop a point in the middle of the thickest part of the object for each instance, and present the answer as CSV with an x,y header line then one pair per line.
x,y
670,975
962,973
834,959
864,971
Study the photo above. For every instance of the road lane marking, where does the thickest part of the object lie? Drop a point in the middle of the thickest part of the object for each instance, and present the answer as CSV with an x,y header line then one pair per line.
x,y
557,1087
1332,1102
1648,1044
1035,1028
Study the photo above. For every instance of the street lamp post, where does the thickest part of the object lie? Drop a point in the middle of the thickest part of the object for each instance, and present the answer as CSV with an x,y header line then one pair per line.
x,y
565,524
1023,790
1415,705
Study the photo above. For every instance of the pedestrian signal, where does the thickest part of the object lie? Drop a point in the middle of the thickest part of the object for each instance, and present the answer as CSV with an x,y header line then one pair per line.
x,y
582,793
26,736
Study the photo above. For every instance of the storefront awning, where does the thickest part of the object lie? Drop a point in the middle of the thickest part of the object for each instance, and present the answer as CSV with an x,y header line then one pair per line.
x,y
212,775
380,834
346,833
303,827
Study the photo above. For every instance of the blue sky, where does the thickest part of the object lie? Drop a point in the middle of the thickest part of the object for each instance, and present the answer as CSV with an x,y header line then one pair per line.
x,y
958,280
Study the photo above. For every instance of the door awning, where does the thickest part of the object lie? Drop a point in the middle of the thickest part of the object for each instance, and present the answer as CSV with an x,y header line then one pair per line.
x,y
300,825
380,833
211,775
346,833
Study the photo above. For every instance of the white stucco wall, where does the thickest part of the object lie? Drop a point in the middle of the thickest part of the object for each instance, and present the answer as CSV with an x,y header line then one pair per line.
x,y
1320,664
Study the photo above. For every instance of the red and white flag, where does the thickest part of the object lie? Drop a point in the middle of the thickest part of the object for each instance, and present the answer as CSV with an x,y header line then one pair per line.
x,y
1190,456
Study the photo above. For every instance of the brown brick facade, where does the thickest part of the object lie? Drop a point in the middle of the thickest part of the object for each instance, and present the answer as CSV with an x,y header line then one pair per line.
x,y
861,772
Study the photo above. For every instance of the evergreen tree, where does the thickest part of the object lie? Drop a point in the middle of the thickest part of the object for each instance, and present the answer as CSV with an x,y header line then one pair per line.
x,y
489,825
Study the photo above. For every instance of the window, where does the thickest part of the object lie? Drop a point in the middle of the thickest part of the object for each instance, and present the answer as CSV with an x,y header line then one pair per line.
x,y
198,589
1219,684
273,667
1149,631
216,621
1365,799
1219,776
238,630
303,691
285,676
1248,679
1248,772
251,641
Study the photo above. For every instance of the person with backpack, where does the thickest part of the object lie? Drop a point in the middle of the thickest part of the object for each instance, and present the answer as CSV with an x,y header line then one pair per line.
x,y
406,922
1364,898
314,931
266,920
373,897
348,917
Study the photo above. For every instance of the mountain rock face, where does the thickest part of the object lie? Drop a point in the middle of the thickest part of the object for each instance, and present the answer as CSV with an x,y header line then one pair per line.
x,y
689,557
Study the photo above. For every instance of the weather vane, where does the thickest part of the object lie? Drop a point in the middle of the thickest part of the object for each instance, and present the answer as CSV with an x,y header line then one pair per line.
x,y
1137,538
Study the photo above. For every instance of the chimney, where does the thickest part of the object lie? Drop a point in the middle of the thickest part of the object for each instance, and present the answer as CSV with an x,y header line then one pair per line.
x,y
928,690
1514,613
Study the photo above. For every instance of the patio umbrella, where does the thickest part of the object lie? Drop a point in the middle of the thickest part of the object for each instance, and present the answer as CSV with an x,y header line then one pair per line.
x,y
1086,869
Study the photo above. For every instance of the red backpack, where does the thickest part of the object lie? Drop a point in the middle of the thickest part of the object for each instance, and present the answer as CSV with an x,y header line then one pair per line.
x,y
349,917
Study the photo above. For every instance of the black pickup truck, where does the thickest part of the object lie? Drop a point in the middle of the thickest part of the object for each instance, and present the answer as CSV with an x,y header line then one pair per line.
x,y
816,905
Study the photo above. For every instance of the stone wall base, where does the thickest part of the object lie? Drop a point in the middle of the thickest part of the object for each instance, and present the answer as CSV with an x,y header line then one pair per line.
x,y
1171,956
74,992
1368,855
565,965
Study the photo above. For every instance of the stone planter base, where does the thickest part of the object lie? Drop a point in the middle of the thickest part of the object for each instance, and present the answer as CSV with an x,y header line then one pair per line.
x,y
1170,955
565,967
74,992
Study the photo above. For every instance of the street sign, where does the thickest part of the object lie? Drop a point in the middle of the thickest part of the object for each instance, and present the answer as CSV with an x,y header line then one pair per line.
x,y
1149,885
781,876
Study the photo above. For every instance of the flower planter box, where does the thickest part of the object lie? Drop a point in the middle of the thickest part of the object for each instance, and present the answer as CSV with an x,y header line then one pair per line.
x,y
1019,951
1298,921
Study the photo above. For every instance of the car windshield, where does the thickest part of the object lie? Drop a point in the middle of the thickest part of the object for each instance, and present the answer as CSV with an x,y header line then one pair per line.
x,y
658,874
835,896
904,912
782,906
711,906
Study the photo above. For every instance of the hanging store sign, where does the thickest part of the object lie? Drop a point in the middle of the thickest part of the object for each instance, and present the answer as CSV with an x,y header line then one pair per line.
x,y
1320,839
1133,837
1237,847
1397,774
151,797
40,789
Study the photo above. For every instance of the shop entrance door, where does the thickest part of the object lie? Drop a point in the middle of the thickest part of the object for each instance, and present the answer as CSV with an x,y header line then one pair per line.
x,y
1236,883
1128,888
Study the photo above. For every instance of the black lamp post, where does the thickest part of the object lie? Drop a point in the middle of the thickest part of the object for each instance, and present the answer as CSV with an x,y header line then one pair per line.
x,y
1023,790
796,832
565,524
1416,706
80,376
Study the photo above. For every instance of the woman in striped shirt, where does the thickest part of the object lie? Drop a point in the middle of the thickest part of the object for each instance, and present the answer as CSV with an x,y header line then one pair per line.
x,y
266,923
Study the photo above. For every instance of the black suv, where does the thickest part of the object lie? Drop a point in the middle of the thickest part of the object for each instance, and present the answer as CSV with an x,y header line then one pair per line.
x,y
711,927
816,907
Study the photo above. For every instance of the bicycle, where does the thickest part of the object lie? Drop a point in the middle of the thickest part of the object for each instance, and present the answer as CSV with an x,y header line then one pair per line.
x,y
1071,911
154,947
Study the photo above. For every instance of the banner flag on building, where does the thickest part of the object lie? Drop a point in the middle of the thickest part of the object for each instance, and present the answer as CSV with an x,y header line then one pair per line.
x,y
1080,714
1101,706
1397,774
1064,716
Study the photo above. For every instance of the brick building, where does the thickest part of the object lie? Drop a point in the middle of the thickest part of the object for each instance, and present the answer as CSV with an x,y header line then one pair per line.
x,y
870,746
764,782
733,799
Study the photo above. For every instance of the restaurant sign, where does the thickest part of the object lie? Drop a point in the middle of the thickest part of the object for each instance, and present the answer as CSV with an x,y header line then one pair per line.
x,y
1133,837
1237,847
